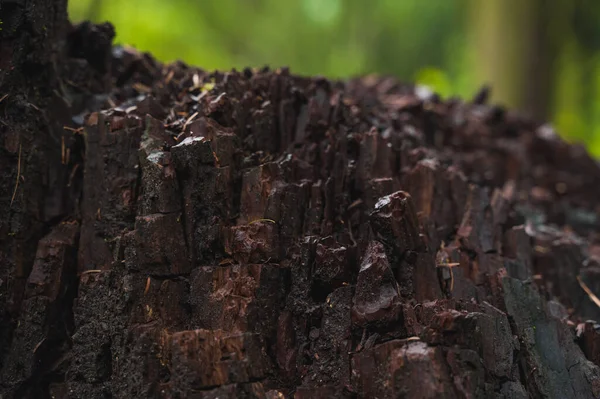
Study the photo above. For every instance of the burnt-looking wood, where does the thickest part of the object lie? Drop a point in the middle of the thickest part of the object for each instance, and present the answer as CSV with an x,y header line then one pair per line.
x,y
169,232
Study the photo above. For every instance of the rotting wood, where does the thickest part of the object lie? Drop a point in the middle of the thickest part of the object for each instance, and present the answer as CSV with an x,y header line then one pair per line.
x,y
259,234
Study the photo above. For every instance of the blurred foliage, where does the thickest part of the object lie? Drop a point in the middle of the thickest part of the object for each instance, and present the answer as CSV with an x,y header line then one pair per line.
x,y
454,46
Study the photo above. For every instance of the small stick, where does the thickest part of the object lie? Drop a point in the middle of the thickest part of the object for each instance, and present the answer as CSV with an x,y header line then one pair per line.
x,y
263,220
189,120
91,271
169,76
70,129
18,177
147,286
62,149
72,175
587,290
34,107
355,204
38,345
449,266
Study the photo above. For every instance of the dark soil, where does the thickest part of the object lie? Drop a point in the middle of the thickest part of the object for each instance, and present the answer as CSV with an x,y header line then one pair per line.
x,y
169,232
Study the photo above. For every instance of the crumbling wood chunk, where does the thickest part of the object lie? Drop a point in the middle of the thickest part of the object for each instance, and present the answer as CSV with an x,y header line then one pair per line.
x,y
159,192
426,282
333,265
258,184
467,371
286,351
589,275
97,313
40,323
223,141
395,223
438,195
588,338
207,195
488,333
412,368
320,393
476,229
55,263
202,359
160,245
556,366
252,390
292,199
561,261
256,242
376,158
162,302
518,251
238,298
331,344
377,296
377,188
110,182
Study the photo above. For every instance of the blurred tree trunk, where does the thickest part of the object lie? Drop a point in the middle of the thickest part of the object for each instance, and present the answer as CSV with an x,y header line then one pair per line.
x,y
517,44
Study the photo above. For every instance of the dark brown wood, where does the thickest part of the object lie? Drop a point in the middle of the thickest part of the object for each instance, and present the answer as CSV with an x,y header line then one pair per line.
x,y
169,232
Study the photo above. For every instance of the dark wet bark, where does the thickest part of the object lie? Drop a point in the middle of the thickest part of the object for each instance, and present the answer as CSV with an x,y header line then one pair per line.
x,y
254,234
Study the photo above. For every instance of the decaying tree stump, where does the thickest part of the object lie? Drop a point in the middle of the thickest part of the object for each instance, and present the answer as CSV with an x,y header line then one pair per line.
x,y
169,232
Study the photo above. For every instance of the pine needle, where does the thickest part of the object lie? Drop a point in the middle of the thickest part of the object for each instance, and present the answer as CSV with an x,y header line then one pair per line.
x,y
263,220
91,271
587,290
18,177
147,286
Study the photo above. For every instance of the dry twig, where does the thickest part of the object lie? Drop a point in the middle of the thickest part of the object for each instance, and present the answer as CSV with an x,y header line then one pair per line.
x,y
589,292
18,177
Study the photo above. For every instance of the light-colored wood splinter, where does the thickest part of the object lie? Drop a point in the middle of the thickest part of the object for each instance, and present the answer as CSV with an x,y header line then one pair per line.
x,y
18,177
588,291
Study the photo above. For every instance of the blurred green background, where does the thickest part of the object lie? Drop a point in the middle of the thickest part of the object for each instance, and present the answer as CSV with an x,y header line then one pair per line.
x,y
540,56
